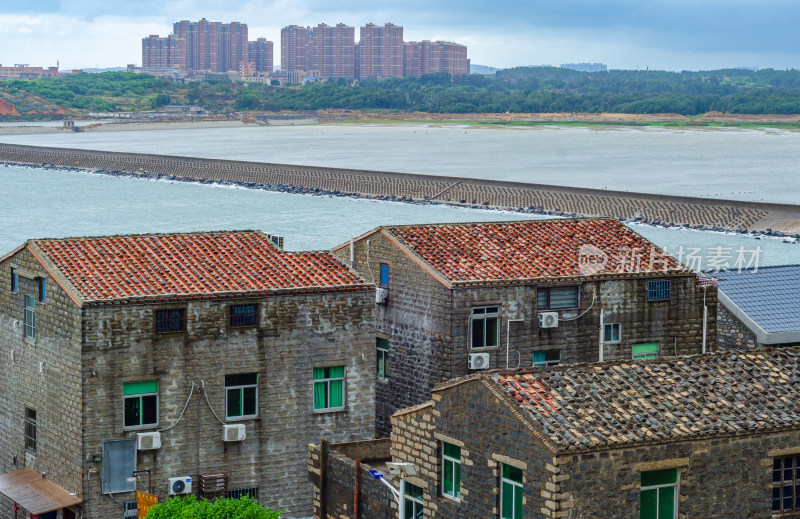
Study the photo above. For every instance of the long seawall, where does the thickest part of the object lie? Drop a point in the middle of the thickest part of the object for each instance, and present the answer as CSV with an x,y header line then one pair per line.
x,y
706,213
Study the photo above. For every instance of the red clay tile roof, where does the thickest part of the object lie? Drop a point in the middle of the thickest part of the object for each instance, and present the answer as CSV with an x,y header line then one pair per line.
x,y
623,403
494,251
197,264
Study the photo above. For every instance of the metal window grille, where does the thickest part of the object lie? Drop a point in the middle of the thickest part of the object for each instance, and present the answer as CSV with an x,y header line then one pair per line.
x,y
659,290
30,429
129,510
172,320
238,493
243,315
786,484
556,298
382,357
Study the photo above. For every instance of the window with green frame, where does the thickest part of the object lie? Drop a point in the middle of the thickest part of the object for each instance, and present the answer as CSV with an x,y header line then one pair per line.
x,y
241,395
382,358
510,492
645,351
451,471
413,503
658,498
140,404
329,388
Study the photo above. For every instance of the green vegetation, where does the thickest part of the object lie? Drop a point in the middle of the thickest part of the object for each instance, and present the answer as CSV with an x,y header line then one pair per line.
x,y
517,90
189,507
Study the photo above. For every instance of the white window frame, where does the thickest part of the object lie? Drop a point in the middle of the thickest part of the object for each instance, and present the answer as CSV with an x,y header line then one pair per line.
x,y
456,468
675,495
414,500
241,389
29,318
483,317
327,381
619,333
518,487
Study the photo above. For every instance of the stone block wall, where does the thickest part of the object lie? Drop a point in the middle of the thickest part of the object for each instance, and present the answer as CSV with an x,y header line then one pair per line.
x,y
375,501
295,334
732,334
43,374
416,321
721,477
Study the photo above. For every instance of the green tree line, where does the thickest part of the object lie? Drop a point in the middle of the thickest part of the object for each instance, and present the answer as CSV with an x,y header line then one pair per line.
x,y
516,90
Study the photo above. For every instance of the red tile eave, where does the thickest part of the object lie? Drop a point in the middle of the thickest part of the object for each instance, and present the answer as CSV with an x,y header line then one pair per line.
x,y
255,294
52,275
421,263
356,239
7,256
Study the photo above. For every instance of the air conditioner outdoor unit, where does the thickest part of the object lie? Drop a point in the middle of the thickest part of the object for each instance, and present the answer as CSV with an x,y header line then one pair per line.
x,y
548,320
478,360
180,485
233,432
380,295
148,441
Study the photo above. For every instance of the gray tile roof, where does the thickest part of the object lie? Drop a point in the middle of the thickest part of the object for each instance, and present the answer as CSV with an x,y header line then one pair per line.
x,y
585,407
770,296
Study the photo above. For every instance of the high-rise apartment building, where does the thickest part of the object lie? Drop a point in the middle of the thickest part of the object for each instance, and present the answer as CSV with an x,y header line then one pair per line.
x,y
295,48
259,53
158,52
333,50
380,51
213,46
427,57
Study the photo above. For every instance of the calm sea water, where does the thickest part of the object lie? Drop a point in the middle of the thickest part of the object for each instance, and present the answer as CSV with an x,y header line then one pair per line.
x,y
39,203
742,164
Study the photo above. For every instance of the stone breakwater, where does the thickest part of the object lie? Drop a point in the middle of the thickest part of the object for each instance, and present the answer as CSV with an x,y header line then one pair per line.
x,y
698,213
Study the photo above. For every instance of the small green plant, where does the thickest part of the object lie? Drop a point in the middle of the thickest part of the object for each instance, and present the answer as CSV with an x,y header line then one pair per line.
x,y
189,507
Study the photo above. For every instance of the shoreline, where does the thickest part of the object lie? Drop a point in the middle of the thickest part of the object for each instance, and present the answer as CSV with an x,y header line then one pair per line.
x,y
498,121
781,220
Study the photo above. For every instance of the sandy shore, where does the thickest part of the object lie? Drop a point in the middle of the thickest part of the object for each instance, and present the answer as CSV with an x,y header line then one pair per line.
x,y
487,120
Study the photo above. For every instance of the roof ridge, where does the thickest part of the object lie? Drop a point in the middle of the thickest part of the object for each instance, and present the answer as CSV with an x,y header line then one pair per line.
x,y
499,222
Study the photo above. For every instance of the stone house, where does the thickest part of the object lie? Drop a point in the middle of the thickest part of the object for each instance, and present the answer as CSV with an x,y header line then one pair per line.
x,y
758,307
467,296
714,435
178,356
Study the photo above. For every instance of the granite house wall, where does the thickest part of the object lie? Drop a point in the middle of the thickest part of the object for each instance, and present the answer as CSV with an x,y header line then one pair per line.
x,y
721,477
732,334
691,211
42,374
427,324
295,334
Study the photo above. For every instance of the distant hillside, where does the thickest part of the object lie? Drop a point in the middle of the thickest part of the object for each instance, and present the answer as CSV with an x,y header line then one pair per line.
x,y
482,69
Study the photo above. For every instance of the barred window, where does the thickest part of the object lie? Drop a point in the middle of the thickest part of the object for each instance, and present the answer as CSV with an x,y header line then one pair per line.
x,y
30,429
243,315
238,493
659,290
171,320
556,298
786,483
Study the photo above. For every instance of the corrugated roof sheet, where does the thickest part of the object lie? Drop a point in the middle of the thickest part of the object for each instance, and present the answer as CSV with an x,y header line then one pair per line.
x,y
197,264
489,251
770,296
618,404
34,493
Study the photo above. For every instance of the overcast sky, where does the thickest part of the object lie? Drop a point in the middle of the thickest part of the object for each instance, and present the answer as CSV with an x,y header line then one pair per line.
x,y
624,34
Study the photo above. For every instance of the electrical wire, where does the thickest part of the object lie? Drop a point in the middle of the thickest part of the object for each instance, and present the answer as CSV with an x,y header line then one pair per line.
x,y
183,411
582,313
203,390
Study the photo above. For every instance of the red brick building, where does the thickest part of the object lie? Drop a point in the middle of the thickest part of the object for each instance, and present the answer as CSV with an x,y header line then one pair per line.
x,y
379,53
428,57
